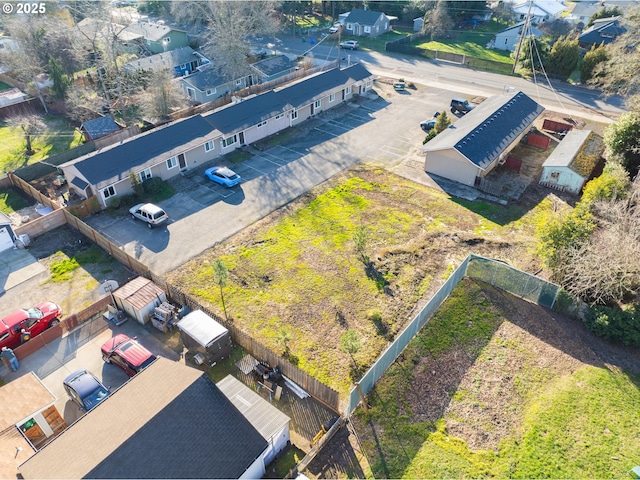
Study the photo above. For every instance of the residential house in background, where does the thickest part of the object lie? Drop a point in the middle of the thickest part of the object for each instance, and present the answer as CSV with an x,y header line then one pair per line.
x,y
540,11
168,421
182,61
509,38
476,143
186,144
583,11
206,84
603,31
573,161
11,96
273,67
98,127
154,37
367,23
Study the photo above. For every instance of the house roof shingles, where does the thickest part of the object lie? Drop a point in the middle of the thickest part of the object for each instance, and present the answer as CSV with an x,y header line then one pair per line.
x,y
150,31
206,78
483,134
169,421
164,60
99,127
273,65
113,163
363,17
139,292
603,30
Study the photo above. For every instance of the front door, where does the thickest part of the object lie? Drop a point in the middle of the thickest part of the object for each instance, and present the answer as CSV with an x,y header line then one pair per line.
x,y
182,162
241,138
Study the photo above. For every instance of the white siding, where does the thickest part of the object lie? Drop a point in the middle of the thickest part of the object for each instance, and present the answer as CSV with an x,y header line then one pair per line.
x,y
449,164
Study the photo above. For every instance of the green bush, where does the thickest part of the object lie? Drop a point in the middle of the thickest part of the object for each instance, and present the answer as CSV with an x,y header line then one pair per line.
x,y
614,323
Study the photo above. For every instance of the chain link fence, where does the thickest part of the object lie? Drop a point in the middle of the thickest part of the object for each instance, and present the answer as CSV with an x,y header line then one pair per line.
x,y
493,272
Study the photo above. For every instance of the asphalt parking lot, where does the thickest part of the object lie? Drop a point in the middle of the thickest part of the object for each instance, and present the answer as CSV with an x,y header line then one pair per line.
x,y
80,349
378,129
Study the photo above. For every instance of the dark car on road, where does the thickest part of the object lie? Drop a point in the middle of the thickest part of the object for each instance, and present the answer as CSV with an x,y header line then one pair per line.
x,y
85,390
461,105
427,125
127,354
20,326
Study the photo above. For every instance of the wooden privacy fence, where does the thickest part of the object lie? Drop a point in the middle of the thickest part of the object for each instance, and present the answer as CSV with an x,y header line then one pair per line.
x,y
25,187
314,387
554,126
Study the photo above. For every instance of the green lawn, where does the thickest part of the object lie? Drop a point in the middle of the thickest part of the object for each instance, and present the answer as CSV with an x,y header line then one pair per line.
x,y
58,136
579,421
12,200
301,273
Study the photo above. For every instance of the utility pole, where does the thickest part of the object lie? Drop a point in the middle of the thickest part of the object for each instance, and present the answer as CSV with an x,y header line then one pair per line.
x,y
525,28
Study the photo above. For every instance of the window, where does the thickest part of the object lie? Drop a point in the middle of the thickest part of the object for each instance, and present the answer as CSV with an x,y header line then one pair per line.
x,y
166,40
347,90
555,175
349,26
108,192
145,174
229,141
332,98
294,114
279,116
211,91
172,163
262,124
209,146
239,82
367,29
317,104
183,66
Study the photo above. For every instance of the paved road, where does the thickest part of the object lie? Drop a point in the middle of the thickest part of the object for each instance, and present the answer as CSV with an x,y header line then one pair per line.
x,y
557,96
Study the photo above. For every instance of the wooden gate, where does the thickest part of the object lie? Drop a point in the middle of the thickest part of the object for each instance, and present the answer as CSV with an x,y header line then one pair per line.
x,y
513,163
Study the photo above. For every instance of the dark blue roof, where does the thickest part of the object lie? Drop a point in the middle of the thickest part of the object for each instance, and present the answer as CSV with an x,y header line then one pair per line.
x,y
273,65
78,182
486,132
603,30
205,79
116,161
99,127
363,17
252,111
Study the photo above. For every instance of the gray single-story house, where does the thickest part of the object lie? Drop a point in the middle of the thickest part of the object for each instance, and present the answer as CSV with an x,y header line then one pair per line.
x,y
367,23
7,235
539,11
98,127
185,144
508,38
572,162
153,37
206,84
476,143
169,421
603,31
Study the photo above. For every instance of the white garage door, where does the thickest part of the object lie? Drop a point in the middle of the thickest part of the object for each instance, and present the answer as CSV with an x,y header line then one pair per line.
x,y
5,239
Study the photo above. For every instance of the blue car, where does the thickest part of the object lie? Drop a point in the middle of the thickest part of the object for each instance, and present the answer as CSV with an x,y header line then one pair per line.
x,y
85,390
223,175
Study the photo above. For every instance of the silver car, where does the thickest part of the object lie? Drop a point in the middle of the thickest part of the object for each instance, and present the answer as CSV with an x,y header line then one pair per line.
x,y
149,213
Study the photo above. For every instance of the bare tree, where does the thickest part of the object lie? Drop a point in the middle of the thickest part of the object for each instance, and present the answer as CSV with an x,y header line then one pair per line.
x,y
229,28
437,21
606,267
31,126
163,96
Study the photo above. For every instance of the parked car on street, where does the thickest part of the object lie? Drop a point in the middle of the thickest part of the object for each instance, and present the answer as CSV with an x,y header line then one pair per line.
x,y
127,354
223,175
350,45
427,125
84,389
149,213
335,28
461,105
24,324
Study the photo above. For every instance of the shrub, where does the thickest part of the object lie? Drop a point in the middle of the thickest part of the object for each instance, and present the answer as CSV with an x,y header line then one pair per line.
x,y
611,185
614,323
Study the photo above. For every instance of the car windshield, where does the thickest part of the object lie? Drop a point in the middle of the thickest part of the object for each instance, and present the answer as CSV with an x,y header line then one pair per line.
x,y
34,312
95,398
158,215
146,363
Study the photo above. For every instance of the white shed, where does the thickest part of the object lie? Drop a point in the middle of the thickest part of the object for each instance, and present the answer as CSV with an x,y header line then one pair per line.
x,y
572,162
7,236
139,298
272,424
209,341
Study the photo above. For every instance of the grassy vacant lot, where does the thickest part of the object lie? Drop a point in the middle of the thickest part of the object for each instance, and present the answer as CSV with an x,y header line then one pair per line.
x,y
496,387
296,273
59,136
472,43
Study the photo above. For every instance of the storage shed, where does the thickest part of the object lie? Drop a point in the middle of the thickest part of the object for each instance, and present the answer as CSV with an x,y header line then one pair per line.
x,y
573,161
204,337
7,236
138,298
